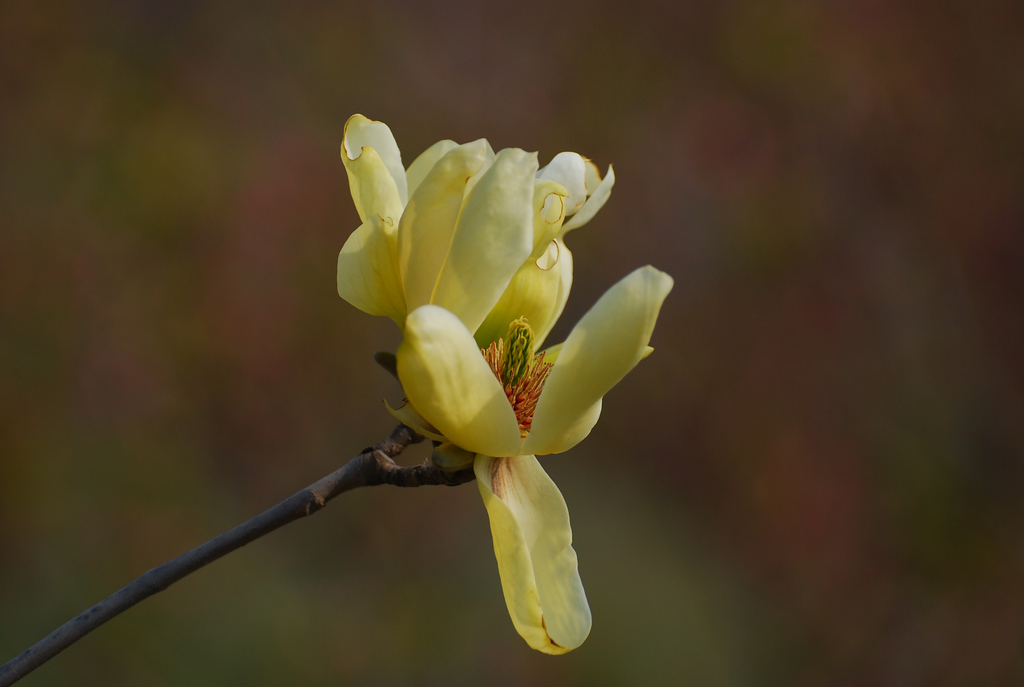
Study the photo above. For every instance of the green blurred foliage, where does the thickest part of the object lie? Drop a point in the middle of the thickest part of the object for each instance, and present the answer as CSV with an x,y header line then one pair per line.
x,y
815,480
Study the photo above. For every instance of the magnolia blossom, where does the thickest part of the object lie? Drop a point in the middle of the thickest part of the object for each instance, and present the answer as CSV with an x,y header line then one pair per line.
x,y
464,250
496,411
477,233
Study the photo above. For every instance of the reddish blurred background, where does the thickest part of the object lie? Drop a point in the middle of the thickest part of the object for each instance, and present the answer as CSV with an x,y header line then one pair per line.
x,y
816,479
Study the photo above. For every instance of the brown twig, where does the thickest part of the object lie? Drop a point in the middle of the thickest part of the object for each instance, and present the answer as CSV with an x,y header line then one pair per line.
x,y
372,467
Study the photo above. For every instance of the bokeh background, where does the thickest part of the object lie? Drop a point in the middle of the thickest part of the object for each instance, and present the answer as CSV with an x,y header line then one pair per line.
x,y
817,479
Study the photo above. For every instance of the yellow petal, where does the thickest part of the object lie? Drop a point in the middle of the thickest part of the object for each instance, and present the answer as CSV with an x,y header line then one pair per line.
x,y
564,268
425,162
407,415
541,286
605,345
448,381
428,224
449,457
551,353
599,196
538,291
368,270
533,547
489,158
549,198
493,237
374,166
591,175
569,170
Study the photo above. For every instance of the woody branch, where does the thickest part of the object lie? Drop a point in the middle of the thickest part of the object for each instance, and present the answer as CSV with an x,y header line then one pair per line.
x,y
372,467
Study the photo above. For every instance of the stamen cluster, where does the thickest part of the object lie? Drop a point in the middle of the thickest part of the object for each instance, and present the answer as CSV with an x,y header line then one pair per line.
x,y
520,373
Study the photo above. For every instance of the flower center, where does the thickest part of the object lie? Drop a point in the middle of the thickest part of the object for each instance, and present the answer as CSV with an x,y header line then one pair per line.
x,y
520,373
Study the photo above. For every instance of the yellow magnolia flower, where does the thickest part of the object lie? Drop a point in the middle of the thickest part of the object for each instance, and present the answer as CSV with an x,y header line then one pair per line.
x,y
477,233
496,411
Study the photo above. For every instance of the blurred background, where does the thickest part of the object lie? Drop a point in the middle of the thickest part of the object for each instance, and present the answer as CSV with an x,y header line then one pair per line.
x,y
816,479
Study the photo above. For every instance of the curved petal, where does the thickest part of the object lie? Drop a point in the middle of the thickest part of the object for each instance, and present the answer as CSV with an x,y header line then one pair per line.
x,y
425,162
374,166
569,170
407,415
564,287
449,457
591,175
538,291
606,344
429,221
450,384
533,546
489,158
551,353
599,196
368,270
549,198
493,237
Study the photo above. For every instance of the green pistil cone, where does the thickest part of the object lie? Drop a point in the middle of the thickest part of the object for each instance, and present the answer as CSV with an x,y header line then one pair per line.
x,y
518,351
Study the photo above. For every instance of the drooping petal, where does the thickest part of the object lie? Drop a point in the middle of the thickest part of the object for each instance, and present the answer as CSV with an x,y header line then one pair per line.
x,y
373,162
450,384
599,196
429,221
493,237
606,344
425,162
538,291
368,275
533,547
569,170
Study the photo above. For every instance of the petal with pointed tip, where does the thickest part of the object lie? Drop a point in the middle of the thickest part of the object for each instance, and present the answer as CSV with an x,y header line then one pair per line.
x,y
533,547
451,385
599,196
605,345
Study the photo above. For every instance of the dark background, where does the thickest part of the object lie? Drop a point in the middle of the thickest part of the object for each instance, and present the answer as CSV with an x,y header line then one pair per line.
x,y
817,478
